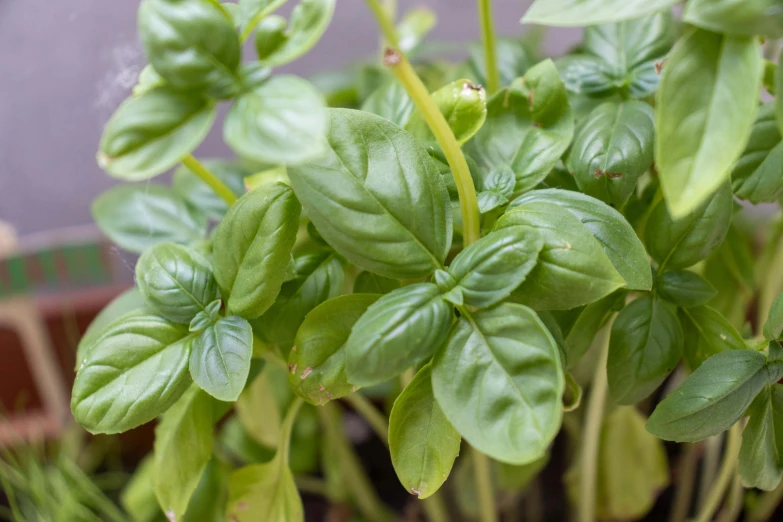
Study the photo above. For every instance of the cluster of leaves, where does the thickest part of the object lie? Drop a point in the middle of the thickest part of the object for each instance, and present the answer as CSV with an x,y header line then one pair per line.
x,y
606,184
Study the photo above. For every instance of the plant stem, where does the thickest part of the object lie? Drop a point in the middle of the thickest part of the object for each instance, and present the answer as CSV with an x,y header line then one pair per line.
x,y
404,72
286,429
733,506
376,419
486,494
197,168
709,468
435,507
356,480
683,496
588,467
769,290
766,505
730,456
490,50
312,485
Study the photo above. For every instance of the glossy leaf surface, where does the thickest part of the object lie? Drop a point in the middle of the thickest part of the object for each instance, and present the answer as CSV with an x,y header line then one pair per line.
x,y
278,45
737,17
463,104
684,288
707,332
588,12
251,12
499,381
369,283
220,358
127,302
758,175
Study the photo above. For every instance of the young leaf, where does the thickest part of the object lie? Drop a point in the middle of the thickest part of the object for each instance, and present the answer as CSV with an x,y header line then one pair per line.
x,y
587,324
422,442
134,372
127,302
491,268
758,175
706,105
369,283
192,44
590,12
317,365
183,447
150,133
252,247
319,276
138,496
376,197
680,243
200,196
773,327
207,317
282,121
761,453
646,345
712,398
529,126
707,332
499,381
220,358
278,45
611,149
400,330
609,227
572,268
737,17
390,101
176,281
464,106
139,216
684,288
512,56
251,12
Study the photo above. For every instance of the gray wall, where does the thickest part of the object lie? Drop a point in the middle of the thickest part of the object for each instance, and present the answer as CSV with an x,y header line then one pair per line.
x,y
65,65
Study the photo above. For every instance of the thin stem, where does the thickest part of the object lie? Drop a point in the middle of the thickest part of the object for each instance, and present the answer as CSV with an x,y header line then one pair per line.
x,y
287,427
376,419
709,468
730,456
210,179
404,72
312,485
766,505
486,494
488,41
683,496
588,467
435,507
769,290
733,506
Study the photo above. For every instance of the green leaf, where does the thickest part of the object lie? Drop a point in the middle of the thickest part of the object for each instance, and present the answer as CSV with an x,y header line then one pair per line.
x,y
707,333
611,149
319,276
499,381
207,317
712,399
706,105
773,326
176,281
685,288
139,216
572,268
645,347
183,447
282,121
779,90
400,330
587,324
494,266
261,404
192,44
200,196
607,225
317,364
422,442
758,175
252,247
208,502
369,283
529,126
680,243
737,17
134,372
152,132
251,12
761,453
127,302
220,358
148,80
464,106
416,23
278,45
377,197
513,478
138,496
390,101
620,57
512,56
590,12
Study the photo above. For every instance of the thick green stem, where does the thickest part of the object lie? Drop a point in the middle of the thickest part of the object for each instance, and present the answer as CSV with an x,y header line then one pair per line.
x,y
594,416
490,48
404,72
210,179
486,494
766,505
376,419
727,467
686,479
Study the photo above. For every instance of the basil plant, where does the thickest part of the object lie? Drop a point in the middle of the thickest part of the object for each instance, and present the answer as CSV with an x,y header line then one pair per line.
x,y
471,244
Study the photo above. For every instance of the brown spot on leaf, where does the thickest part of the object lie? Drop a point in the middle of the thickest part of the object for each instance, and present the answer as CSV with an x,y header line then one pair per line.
x,y
614,175
241,506
307,371
171,516
415,492
598,173
659,66
391,57
292,367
